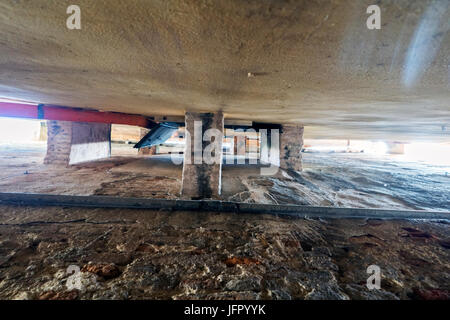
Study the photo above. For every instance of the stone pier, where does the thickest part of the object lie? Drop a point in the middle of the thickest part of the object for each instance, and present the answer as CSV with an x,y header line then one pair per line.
x,y
291,144
75,142
202,180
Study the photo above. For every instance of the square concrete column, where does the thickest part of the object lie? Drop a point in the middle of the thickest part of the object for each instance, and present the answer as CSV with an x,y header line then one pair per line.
x,y
202,166
240,145
291,144
74,142
270,147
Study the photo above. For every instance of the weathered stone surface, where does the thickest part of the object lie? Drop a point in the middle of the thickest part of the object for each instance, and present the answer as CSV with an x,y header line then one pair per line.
x,y
65,295
360,292
233,261
245,284
59,141
201,180
182,255
74,142
291,144
104,270
430,294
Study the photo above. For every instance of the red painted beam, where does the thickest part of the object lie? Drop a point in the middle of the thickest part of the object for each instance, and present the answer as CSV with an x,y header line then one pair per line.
x,y
9,109
17,110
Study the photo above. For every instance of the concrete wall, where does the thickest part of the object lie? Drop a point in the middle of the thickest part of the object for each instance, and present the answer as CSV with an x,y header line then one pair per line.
x,y
75,142
270,147
90,141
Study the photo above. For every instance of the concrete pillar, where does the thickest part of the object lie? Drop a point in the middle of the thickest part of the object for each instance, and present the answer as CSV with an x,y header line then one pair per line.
x,y
240,145
291,144
270,147
59,141
148,151
200,179
75,142
395,148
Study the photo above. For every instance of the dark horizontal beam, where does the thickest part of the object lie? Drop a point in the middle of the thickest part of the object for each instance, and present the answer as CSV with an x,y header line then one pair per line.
x,y
263,125
297,211
45,112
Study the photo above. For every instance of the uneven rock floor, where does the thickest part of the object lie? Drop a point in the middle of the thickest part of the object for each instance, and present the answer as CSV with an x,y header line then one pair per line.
x,y
142,254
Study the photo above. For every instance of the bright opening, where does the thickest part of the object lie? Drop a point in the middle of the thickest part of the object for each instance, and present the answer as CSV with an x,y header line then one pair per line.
x,y
432,153
428,152
13,130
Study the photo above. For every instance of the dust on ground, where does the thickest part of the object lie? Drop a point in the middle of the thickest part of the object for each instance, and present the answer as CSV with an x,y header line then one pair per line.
x,y
340,180
145,254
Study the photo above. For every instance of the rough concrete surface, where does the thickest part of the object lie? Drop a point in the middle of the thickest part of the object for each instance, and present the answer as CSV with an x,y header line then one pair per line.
x,y
75,142
201,179
310,62
142,254
291,145
90,141
59,142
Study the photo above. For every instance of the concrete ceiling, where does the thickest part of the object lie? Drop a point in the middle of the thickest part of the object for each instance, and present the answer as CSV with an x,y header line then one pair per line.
x,y
312,62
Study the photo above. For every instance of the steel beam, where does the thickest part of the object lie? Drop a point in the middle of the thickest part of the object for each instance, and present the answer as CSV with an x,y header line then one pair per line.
x,y
46,112
158,135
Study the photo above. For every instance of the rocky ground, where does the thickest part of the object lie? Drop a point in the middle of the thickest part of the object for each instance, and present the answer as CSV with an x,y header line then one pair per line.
x,y
81,253
141,254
